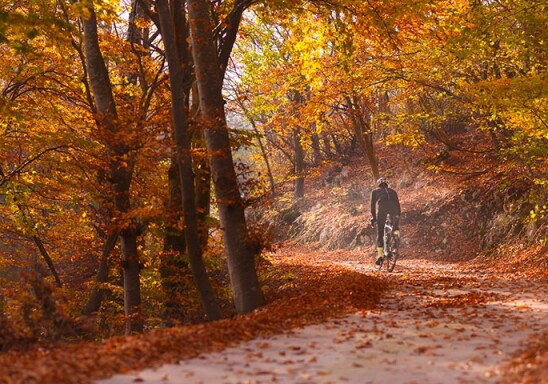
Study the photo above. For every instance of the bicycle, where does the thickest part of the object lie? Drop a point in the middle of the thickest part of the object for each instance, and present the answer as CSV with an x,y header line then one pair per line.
x,y
391,247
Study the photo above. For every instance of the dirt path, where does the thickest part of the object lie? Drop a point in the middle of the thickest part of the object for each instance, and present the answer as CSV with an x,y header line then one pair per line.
x,y
436,325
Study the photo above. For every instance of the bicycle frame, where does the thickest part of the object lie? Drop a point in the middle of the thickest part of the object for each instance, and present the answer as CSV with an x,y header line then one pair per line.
x,y
386,238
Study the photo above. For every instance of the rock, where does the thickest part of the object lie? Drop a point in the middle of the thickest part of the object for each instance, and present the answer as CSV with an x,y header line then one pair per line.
x,y
324,236
289,215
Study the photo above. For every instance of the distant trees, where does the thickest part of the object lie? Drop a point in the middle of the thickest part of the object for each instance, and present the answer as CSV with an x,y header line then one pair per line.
x,y
409,74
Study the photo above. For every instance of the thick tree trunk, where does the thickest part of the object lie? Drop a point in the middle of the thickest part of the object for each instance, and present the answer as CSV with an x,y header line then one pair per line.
x,y
203,190
202,171
240,255
179,111
173,265
174,240
299,165
132,285
120,172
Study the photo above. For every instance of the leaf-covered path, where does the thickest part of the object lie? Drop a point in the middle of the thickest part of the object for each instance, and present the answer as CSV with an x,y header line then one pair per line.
x,y
436,324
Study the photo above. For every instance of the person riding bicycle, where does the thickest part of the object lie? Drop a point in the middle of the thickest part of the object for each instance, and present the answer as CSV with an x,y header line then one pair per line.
x,y
387,200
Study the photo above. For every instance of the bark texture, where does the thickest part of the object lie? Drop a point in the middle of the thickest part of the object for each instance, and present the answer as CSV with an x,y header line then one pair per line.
x,y
120,169
175,53
238,249
299,164
97,292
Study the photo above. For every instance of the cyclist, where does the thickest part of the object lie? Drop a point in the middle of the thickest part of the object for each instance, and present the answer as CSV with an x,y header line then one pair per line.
x,y
388,202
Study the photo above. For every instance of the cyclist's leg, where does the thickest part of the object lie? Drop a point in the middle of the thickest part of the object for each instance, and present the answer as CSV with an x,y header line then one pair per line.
x,y
395,220
381,220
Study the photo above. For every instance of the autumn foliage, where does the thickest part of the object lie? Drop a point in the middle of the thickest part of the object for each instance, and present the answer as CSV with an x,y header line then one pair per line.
x,y
94,232
300,291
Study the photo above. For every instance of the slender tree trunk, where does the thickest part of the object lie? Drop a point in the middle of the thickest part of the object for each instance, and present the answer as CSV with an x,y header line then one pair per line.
x,y
364,136
179,111
370,151
299,165
240,255
203,192
266,160
317,152
97,292
326,144
48,260
262,148
120,172
41,248
338,148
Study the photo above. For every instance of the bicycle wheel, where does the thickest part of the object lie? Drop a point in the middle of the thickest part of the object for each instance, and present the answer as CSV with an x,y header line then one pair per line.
x,y
393,248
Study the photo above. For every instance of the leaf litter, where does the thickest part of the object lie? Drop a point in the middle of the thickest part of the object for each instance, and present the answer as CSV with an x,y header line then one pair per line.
x,y
439,324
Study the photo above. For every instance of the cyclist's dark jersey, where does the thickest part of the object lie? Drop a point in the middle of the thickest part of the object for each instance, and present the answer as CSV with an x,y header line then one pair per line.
x,y
389,204
387,199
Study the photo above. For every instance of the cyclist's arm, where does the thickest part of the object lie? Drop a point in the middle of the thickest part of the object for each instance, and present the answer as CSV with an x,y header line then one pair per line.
x,y
398,205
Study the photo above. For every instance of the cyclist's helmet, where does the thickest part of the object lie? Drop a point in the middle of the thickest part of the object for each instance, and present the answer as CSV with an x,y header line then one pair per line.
x,y
382,181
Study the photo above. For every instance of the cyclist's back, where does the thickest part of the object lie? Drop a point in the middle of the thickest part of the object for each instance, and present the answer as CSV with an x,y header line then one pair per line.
x,y
388,204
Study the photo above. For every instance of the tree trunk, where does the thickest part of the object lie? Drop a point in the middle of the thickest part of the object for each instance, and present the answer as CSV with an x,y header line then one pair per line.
x,y
203,174
317,152
48,260
240,255
174,240
364,136
132,285
338,148
173,264
120,169
266,160
326,145
261,146
299,165
179,112
97,292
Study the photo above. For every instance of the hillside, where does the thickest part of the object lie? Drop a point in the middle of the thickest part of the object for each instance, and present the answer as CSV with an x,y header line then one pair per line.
x,y
445,216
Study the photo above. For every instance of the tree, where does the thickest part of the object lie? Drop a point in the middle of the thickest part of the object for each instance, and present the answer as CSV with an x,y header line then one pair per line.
x,y
177,57
238,248
120,172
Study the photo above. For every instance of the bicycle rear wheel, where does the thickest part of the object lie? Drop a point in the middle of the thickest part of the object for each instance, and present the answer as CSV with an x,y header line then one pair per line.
x,y
393,252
